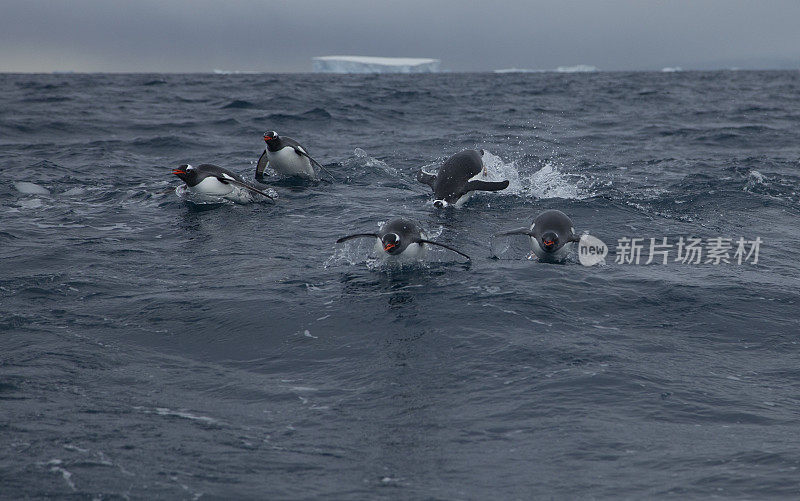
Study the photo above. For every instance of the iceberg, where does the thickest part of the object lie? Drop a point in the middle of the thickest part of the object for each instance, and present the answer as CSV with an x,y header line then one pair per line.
x,y
519,70
580,68
236,72
360,64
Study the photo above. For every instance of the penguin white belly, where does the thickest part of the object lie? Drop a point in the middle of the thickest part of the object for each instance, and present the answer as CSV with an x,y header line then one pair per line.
x,y
461,201
287,162
480,176
413,252
551,257
211,186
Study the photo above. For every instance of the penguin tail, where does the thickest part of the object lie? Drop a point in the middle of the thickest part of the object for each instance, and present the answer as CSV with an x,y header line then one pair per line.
x,y
425,178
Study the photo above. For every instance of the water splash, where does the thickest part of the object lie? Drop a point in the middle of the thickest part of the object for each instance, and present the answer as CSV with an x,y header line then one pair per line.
x,y
241,195
754,178
547,182
362,159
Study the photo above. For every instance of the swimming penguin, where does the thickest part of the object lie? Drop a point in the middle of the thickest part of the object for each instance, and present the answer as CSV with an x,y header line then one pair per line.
x,y
458,177
211,180
552,236
286,156
401,238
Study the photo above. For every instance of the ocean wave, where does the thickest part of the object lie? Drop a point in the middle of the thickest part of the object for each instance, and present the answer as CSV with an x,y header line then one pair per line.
x,y
313,114
161,142
362,168
46,99
238,104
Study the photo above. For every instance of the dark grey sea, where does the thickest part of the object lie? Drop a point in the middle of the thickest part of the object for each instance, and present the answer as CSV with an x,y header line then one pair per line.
x,y
152,347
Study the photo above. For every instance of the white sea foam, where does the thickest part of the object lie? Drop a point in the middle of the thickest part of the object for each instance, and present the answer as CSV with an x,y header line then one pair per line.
x,y
56,467
547,182
754,178
30,188
32,203
238,195
163,411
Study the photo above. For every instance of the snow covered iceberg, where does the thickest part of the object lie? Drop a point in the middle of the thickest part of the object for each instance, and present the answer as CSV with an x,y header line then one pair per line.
x,y
360,64
580,68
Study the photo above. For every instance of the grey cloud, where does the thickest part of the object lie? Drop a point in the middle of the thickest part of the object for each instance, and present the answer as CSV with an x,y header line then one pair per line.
x,y
186,35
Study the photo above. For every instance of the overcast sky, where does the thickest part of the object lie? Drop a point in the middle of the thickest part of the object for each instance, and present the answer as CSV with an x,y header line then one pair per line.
x,y
282,36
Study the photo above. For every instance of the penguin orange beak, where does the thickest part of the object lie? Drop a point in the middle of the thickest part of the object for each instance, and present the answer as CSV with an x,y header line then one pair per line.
x,y
389,247
178,171
549,243
267,138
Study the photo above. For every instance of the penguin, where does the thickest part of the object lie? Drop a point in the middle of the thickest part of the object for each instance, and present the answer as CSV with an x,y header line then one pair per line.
x,y
287,157
400,238
458,177
211,180
552,236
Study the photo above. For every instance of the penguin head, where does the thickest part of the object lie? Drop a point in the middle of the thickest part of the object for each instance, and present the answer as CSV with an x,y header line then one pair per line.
x,y
187,173
391,243
271,136
549,241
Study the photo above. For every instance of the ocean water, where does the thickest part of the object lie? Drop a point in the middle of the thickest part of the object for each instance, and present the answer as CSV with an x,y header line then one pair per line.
x,y
153,347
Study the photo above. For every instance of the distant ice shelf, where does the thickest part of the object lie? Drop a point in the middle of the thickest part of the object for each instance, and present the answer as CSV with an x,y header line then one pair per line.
x,y
236,72
361,64
581,68
520,70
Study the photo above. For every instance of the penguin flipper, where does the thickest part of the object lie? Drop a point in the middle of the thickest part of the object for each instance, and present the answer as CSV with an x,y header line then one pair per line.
x,y
518,231
425,178
245,185
300,151
263,163
423,241
486,185
357,235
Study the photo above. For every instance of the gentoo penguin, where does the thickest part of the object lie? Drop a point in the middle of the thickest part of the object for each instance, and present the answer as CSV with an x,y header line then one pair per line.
x,y
458,177
211,180
287,157
401,238
552,236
